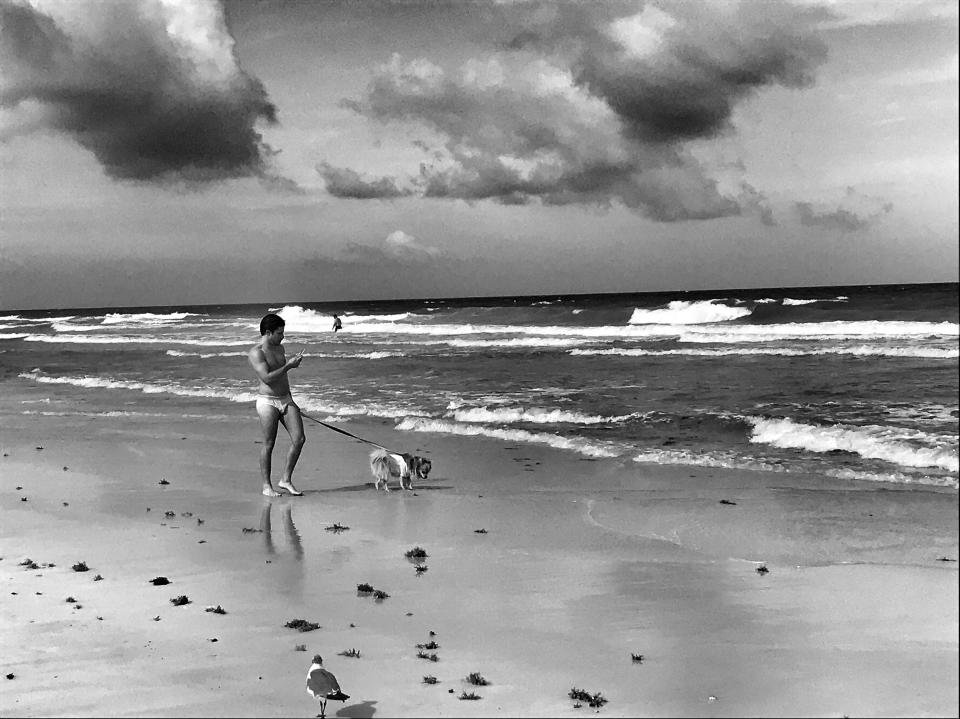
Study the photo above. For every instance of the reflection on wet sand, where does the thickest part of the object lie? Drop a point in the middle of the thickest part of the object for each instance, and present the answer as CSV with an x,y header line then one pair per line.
x,y
289,528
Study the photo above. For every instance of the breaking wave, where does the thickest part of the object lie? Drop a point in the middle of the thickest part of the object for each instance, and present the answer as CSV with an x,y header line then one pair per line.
x,y
680,312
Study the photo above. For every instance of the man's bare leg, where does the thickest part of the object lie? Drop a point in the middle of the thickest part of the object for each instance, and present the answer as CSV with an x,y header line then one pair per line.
x,y
269,419
293,423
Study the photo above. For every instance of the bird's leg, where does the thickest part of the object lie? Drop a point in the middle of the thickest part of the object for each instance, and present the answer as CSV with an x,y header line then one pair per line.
x,y
323,708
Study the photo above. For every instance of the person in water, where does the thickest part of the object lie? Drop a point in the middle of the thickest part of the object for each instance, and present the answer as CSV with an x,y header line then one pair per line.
x,y
275,404
337,324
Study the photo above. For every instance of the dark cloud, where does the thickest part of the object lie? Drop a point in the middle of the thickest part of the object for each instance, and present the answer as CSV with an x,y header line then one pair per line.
x,y
839,219
152,89
595,103
344,182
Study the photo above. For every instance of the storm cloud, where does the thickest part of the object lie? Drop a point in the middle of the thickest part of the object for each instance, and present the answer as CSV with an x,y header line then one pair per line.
x,y
597,103
152,88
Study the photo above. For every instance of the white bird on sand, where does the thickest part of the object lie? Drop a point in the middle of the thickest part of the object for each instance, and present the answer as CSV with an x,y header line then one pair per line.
x,y
322,685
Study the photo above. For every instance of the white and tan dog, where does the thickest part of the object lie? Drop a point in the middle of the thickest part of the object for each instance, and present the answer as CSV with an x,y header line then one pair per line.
x,y
405,467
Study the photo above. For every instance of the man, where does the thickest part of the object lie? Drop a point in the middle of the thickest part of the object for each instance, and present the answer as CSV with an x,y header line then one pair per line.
x,y
337,324
275,405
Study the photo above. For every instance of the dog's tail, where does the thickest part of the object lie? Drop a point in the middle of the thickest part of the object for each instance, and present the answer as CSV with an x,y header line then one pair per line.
x,y
380,464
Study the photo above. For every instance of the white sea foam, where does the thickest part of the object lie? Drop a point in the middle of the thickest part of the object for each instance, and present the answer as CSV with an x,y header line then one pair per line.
x,y
895,477
205,355
12,336
145,387
680,312
127,339
145,318
788,302
588,449
322,355
534,415
907,448
521,342
299,319
860,351
727,460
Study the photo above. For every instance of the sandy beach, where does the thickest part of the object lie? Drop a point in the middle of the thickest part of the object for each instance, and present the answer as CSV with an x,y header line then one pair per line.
x,y
582,564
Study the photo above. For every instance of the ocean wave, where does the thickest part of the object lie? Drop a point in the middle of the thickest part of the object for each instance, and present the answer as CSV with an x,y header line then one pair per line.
x,y
321,355
894,477
787,302
680,312
520,342
126,339
534,415
145,318
728,460
145,387
581,446
861,351
12,336
299,319
907,448
205,355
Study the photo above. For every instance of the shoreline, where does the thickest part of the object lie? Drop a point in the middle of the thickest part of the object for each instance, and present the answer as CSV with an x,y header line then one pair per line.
x,y
582,564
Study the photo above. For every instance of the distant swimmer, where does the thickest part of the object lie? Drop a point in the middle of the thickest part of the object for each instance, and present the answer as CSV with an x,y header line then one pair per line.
x,y
275,404
337,324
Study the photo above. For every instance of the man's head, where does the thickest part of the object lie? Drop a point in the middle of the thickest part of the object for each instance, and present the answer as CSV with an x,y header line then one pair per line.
x,y
271,323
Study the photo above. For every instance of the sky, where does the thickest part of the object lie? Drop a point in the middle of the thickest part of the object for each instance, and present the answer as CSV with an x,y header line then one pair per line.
x,y
179,152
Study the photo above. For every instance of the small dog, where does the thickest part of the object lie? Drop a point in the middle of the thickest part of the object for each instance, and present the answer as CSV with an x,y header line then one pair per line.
x,y
385,465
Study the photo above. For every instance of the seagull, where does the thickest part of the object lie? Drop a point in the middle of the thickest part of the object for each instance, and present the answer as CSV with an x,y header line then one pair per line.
x,y
322,685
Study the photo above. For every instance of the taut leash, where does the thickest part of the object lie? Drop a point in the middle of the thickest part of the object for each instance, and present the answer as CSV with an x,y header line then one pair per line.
x,y
343,431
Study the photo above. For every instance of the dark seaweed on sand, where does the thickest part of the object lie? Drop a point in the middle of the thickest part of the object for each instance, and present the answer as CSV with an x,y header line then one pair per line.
x,y
180,601
98,578
416,553
762,569
636,657
380,595
428,645
29,564
470,695
336,528
251,530
431,657
216,610
421,568
429,679
81,567
727,501
477,679
364,588
163,481
479,531
302,625
159,581
594,700
355,653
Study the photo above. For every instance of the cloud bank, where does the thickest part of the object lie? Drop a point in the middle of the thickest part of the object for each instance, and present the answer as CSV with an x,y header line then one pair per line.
x,y
152,88
594,103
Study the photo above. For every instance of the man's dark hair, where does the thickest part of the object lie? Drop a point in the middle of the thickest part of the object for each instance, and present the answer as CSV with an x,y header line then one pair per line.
x,y
271,323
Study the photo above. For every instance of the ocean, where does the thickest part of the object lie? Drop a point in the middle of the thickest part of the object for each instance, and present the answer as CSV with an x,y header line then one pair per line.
x,y
858,384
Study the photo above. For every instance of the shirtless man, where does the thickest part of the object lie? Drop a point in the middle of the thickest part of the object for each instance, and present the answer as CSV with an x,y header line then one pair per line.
x,y
274,403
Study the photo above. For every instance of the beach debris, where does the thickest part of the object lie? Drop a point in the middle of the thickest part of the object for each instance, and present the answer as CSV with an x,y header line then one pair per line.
x,y
336,528
23,499
66,504
945,559
432,633
302,625
159,581
352,625
29,564
11,675
727,501
39,448
429,679
169,513
213,639
300,648
19,487
215,609
322,685
380,595
202,541
430,657
429,645
251,530
711,698
186,514
199,521
156,618
477,679
71,600
80,567
470,695
409,614
180,600
364,588
354,653
636,657
594,700
577,705
163,482
762,569
480,531
421,568
416,553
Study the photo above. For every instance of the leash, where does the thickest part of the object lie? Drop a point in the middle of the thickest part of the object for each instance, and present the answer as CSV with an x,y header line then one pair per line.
x,y
343,431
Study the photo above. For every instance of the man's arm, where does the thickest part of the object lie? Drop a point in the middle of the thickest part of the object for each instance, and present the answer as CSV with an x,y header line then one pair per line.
x,y
259,363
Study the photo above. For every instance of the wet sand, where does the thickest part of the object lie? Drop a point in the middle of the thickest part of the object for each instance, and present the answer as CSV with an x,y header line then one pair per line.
x,y
582,564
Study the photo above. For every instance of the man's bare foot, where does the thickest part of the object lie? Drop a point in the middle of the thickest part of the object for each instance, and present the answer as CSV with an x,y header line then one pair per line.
x,y
269,491
288,487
